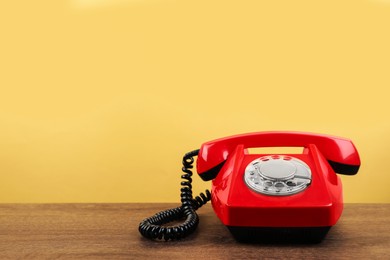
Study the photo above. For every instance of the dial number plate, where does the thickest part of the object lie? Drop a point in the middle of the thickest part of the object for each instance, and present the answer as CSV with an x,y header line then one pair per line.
x,y
277,175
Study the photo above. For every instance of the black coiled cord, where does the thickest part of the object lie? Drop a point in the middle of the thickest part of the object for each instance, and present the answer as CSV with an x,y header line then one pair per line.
x,y
153,227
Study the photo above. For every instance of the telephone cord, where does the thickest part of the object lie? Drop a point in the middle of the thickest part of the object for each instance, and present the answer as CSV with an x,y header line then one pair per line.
x,y
155,227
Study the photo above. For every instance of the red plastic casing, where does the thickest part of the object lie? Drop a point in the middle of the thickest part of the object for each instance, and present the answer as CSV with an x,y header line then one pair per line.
x,y
235,204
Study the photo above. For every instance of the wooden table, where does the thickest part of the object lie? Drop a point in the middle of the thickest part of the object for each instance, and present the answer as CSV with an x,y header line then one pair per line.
x,y
110,231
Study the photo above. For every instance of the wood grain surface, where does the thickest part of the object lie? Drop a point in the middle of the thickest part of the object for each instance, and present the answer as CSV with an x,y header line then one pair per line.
x,y
110,231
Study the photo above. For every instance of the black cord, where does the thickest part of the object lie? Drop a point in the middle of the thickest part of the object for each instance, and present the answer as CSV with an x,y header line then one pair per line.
x,y
154,228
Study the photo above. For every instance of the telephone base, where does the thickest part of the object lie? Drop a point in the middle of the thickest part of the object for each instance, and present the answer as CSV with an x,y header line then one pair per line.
x,y
277,235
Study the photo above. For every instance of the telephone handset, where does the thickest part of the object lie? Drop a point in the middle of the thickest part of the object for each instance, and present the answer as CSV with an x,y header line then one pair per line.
x,y
264,197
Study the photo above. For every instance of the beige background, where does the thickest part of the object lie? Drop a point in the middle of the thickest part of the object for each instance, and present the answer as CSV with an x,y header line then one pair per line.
x,y
100,99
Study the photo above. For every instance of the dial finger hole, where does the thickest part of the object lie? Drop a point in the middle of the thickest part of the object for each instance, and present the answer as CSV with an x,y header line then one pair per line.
x,y
279,185
291,183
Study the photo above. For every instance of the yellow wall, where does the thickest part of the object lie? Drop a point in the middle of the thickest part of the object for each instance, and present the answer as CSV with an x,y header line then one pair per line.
x,y
99,99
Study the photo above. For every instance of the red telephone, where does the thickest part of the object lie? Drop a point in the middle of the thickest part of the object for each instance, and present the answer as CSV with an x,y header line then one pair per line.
x,y
264,197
